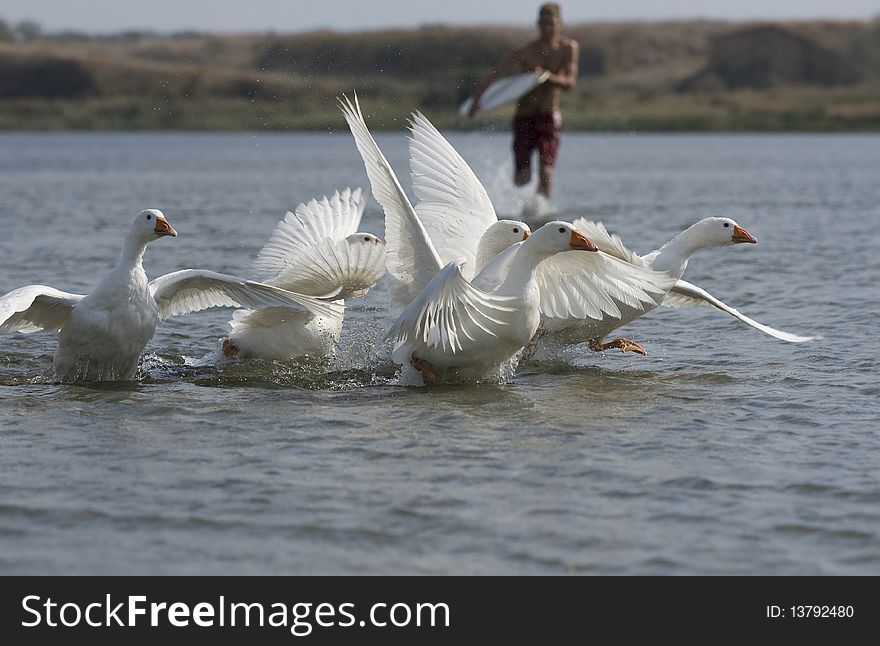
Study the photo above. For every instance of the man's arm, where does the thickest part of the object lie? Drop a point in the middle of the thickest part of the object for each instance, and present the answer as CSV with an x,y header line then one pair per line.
x,y
510,65
567,75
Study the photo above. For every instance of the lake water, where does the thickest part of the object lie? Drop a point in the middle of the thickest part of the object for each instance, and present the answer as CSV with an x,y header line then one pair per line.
x,y
722,451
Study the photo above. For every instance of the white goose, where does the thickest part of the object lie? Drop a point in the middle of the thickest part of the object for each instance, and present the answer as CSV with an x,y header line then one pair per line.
x,y
456,209
101,335
672,259
316,250
454,330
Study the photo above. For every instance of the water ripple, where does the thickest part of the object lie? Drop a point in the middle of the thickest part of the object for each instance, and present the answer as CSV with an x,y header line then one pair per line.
x,y
721,452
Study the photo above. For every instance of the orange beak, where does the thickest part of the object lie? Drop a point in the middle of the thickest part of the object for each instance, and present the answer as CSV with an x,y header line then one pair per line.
x,y
582,242
163,228
526,233
741,235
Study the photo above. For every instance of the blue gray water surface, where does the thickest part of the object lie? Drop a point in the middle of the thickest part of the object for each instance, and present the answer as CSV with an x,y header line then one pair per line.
x,y
722,451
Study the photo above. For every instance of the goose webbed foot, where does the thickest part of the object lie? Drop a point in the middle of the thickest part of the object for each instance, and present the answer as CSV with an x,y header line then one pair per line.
x,y
532,345
625,345
230,349
424,369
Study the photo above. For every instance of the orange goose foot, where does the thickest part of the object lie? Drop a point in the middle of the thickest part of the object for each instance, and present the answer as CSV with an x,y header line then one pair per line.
x,y
625,345
229,348
424,369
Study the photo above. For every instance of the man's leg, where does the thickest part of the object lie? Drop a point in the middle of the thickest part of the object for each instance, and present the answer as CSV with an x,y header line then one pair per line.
x,y
546,183
548,147
522,150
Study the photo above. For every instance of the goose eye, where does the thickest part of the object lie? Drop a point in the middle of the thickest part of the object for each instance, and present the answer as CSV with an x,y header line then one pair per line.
x,y
561,229
727,224
515,230
149,217
366,238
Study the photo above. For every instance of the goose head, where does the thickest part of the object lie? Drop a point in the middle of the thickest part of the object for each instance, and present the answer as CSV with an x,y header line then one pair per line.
x,y
497,238
150,225
504,233
366,252
557,236
720,232
364,239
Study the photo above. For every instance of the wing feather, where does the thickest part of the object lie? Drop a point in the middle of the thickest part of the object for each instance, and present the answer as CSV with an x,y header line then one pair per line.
x,y
578,285
685,293
448,310
309,225
452,203
192,290
411,257
610,243
336,270
36,307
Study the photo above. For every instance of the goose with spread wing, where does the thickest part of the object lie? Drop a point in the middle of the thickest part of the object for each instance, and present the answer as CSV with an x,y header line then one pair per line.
x,y
671,259
102,334
454,209
455,331
315,250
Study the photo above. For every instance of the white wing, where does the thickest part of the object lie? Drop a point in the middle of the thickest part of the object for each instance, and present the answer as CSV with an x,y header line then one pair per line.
x,y
452,203
448,311
335,269
609,243
582,285
192,290
684,294
309,225
411,257
34,308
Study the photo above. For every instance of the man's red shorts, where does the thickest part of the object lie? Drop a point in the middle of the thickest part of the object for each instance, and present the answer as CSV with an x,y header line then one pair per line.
x,y
539,130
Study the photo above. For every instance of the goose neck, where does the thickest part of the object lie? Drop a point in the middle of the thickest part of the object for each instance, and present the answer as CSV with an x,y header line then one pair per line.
x,y
523,267
132,253
674,255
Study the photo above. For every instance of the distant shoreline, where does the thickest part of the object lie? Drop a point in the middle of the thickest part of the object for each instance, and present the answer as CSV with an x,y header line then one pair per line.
x,y
668,76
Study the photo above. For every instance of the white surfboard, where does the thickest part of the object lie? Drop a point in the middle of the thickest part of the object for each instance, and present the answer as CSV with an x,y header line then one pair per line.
x,y
505,90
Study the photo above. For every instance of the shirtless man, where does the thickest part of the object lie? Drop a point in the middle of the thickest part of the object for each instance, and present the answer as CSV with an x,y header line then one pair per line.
x,y
537,120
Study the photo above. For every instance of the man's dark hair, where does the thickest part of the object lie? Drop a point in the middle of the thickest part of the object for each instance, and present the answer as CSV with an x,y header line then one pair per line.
x,y
550,9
